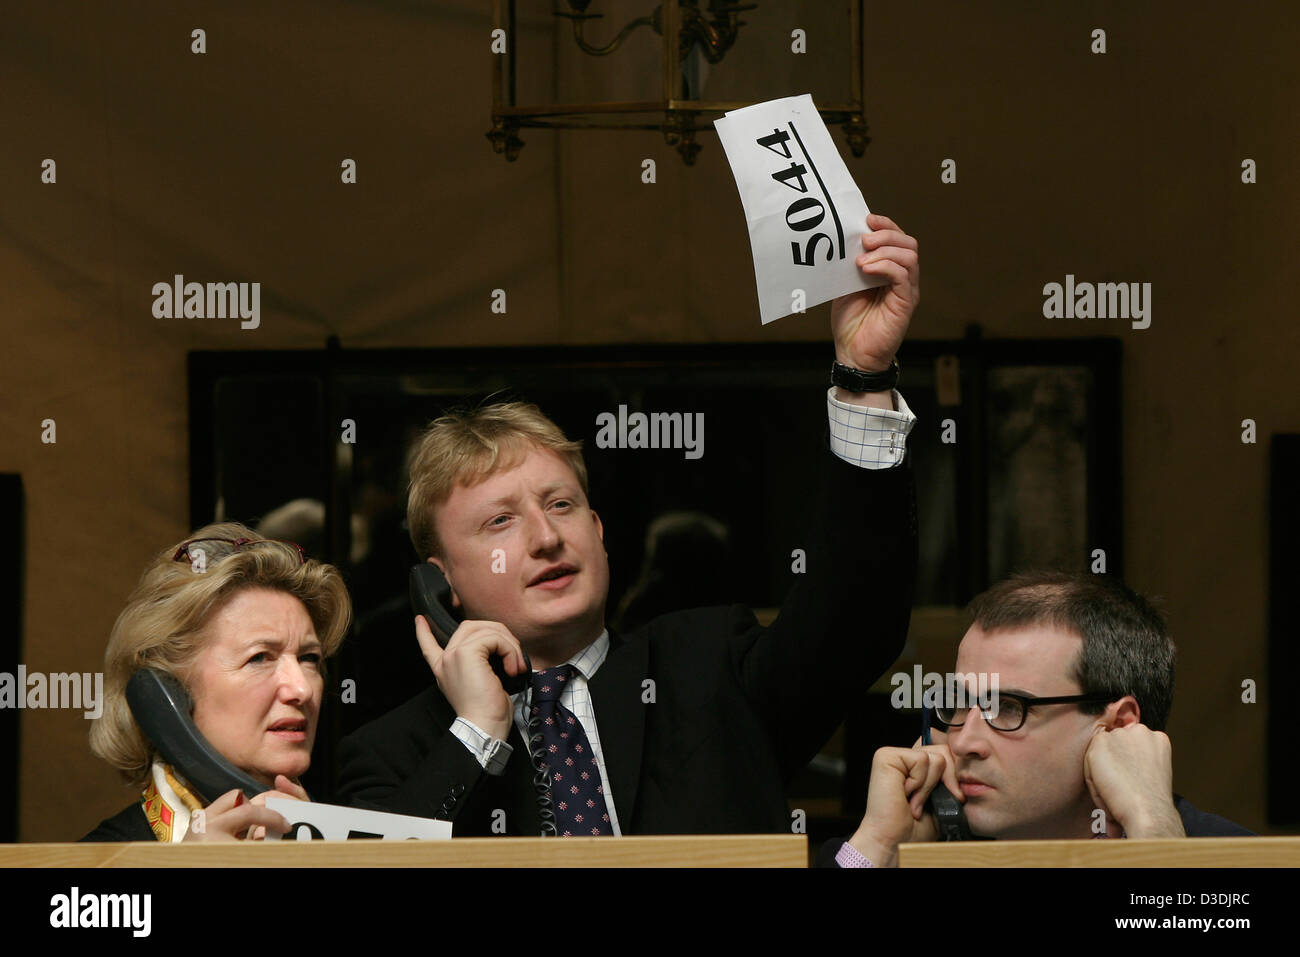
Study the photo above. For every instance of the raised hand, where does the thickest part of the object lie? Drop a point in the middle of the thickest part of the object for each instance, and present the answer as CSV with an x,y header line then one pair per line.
x,y
868,326
901,782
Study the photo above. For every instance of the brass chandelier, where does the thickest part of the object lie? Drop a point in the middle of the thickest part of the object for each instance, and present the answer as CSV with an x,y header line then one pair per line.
x,y
691,37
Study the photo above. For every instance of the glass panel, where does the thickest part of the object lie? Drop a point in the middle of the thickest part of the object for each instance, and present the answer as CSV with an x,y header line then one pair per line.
x,y
1038,468
269,449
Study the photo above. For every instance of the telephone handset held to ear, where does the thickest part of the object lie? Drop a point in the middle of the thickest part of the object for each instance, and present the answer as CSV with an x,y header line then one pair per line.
x,y
162,708
946,808
431,597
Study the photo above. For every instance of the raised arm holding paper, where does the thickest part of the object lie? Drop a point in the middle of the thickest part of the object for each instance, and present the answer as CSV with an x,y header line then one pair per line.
x,y
692,723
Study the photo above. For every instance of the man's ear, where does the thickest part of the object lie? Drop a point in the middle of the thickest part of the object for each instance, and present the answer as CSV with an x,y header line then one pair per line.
x,y
1122,713
600,529
442,567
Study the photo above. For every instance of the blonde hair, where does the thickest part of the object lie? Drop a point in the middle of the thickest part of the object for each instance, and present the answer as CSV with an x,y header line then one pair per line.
x,y
164,623
465,446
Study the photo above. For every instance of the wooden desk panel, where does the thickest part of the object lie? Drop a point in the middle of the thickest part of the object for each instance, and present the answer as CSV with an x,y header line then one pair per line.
x,y
1184,852
758,850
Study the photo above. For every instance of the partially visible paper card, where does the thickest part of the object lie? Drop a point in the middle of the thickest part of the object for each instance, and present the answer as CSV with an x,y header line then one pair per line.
x,y
806,215
309,821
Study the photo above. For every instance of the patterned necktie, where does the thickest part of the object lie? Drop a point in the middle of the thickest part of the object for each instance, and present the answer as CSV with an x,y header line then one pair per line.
x,y
576,787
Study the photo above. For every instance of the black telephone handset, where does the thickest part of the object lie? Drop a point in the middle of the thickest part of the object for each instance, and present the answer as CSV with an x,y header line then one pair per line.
x,y
431,597
947,811
162,708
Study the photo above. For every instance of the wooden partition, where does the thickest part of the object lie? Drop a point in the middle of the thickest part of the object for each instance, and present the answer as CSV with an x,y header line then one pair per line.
x,y
743,850
1179,852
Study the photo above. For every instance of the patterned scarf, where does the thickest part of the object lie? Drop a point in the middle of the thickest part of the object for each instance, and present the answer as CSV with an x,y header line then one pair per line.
x,y
168,804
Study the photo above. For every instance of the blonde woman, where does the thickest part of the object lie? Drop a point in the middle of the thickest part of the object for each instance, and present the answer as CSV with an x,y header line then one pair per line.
x,y
245,624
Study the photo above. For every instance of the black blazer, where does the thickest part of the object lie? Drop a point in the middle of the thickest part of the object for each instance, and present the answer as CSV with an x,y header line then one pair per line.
x,y
129,825
737,709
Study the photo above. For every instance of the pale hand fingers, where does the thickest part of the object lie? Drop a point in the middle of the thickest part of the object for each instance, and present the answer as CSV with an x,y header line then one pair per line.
x,y
1092,790
886,234
888,815
290,789
227,801
284,789
231,823
907,258
201,821
877,221
939,744
950,772
429,646
1090,756
492,638
926,773
897,274
889,237
238,821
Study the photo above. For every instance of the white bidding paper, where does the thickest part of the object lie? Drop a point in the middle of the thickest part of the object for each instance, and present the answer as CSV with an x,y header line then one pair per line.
x,y
806,216
329,822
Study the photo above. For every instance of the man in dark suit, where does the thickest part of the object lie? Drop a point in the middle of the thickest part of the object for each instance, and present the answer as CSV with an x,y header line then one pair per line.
x,y
1067,681
694,722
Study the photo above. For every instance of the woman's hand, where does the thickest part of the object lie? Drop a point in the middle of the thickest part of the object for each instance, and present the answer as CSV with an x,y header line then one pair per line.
x,y
231,817
284,788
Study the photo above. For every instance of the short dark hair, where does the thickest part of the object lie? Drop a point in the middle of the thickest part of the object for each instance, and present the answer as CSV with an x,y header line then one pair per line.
x,y
1126,646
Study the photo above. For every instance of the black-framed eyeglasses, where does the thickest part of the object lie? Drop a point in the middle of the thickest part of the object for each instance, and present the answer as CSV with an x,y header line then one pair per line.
x,y
183,553
1007,710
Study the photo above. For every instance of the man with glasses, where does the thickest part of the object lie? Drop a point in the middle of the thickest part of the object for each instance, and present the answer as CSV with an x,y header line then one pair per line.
x,y
1073,744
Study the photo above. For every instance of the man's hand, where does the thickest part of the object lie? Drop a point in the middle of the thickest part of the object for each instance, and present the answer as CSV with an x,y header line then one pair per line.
x,y
1130,775
466,678
901,782
868,326
231,818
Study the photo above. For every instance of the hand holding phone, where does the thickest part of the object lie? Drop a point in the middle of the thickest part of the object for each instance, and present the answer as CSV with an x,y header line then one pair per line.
x,y
948,814
431,599
902,780
465,674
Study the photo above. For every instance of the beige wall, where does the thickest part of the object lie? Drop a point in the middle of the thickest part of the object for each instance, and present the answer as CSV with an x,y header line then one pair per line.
x,y
1123,166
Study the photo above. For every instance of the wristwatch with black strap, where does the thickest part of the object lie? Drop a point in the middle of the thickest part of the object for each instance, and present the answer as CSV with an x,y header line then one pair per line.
x,y
855,380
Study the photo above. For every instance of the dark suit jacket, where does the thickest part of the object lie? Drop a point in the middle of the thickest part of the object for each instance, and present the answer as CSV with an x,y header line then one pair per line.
x,y
1196,823
737,709
129,825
